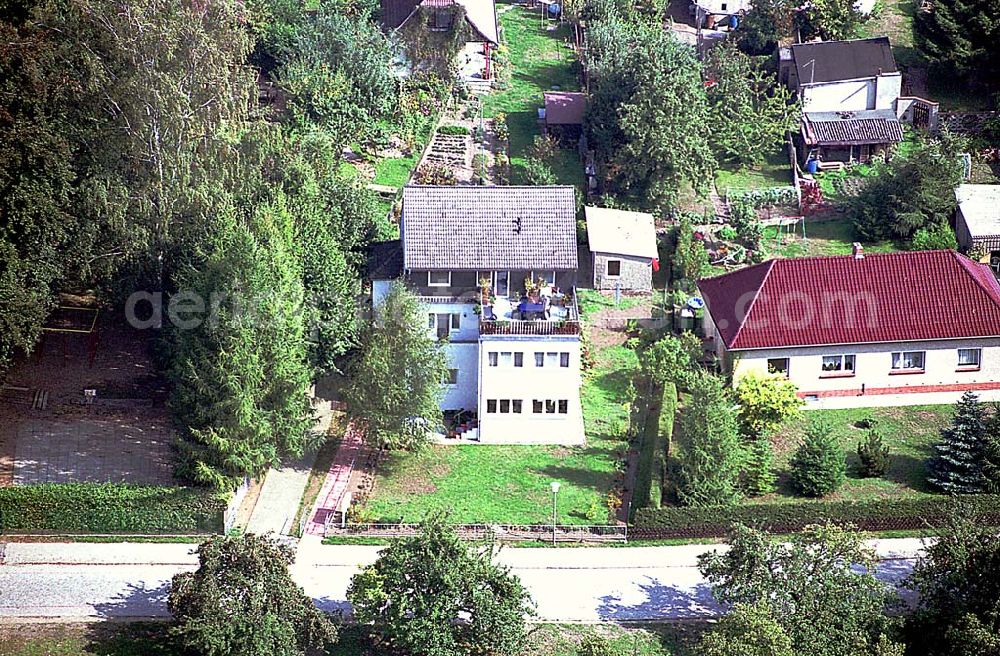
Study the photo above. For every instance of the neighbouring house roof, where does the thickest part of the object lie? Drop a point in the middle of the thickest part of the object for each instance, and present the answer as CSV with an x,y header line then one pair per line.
x,y
480,14
385,260
832,61
620,232
887,297
489,228
565,107
980,208
871,126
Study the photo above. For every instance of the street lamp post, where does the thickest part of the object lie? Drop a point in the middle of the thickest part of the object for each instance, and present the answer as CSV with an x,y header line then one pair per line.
x,y
555,492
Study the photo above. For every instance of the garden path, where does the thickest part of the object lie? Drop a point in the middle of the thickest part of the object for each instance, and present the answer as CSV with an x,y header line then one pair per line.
x,y
338,478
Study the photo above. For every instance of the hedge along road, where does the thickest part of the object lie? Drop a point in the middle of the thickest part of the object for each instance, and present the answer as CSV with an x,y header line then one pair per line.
x,y
586,584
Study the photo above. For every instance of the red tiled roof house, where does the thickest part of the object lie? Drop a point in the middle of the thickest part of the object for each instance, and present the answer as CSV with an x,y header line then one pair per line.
x,y
861,326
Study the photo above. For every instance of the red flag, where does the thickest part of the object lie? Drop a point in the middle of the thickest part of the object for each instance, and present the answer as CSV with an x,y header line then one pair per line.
x,y
656,264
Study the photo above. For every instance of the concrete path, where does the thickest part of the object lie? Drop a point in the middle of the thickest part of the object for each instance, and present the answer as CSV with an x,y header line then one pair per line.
x,y
895,400
279,499
568,584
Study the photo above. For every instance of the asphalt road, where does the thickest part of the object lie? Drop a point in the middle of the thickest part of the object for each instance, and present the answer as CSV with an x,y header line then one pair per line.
x,y
569,585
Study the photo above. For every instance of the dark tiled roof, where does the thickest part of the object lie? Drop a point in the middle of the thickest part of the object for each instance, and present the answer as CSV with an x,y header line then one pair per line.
x,y
873,126
565,107
489,228
843,60
385,260
888,297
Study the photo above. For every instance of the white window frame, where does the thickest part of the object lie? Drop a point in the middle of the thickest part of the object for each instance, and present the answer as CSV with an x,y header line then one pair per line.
x,y
493,359
970,366
495,404
607,269
539,358
564,358
431,283
562,406
900,355
788,366
518,359
547,276
496,284
842,368
516,406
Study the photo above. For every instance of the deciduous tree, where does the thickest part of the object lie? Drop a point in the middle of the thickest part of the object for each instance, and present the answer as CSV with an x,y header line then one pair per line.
x,y
819,584
747,630
433,595
765,403
242,601
397,378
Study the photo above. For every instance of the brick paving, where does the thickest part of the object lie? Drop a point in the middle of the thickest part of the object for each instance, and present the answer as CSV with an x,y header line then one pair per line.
x,y
338,479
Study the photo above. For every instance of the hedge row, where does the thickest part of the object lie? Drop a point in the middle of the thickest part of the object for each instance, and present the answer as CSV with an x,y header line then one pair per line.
x,y
653,443
870,515
110,508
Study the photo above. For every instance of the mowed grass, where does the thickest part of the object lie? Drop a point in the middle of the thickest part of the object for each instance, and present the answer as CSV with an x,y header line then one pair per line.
x,y
510,484
541,59
149,639
774,172
910,433
821,238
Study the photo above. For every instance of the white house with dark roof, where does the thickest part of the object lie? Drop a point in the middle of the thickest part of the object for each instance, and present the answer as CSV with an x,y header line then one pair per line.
x,y
496,268
863,330
623,248
849,92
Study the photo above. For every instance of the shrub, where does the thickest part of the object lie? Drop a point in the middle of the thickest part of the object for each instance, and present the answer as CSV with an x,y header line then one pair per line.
x,y
758,475
543,147
500,128
938,236
434,174
818,467
868,515
874,455
110,508
537,172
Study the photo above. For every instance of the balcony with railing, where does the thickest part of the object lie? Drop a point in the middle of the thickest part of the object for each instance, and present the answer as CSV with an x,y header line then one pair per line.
x,y
548,314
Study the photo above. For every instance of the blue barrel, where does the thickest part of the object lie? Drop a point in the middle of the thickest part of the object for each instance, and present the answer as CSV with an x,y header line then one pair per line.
x,y
734,22
812,166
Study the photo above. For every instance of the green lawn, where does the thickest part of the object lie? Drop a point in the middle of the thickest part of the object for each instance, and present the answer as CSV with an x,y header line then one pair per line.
x,y
910,432
148,639
775,172
541,60
821,238
510,484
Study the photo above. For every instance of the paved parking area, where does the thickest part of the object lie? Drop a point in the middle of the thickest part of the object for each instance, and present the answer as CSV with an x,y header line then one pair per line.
x,y
127,449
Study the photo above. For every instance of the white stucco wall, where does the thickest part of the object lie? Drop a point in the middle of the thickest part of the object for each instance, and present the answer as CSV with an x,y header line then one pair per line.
x,y
462,395
720,7
873,365
850,95
527,383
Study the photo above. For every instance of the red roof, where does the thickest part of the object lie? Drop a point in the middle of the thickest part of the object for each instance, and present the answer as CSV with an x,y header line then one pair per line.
x,y
887,297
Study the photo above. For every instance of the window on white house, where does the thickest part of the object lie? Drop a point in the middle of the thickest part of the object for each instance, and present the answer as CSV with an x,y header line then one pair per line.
x,y
506,359
970,358
439,278
550,407
908,361
518,359
838,364
546,276
564,360
494,358
505,406
515,406
552,359
491,406
536,406
563,407
778,366
614,268
501,283
539,359
451,377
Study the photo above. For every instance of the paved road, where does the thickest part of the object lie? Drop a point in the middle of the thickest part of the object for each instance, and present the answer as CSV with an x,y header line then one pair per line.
x,y
569,585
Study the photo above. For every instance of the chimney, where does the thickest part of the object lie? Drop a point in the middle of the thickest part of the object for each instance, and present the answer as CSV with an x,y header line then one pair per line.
x,y
858,251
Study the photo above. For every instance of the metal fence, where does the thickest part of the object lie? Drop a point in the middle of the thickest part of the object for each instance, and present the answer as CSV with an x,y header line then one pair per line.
x,y
501,532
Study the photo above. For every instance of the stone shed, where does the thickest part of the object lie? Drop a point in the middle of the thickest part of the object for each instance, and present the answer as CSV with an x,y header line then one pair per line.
x,y
623,248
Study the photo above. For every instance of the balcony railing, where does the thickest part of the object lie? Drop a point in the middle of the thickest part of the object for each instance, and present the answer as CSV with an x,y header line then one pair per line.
x,y
539,327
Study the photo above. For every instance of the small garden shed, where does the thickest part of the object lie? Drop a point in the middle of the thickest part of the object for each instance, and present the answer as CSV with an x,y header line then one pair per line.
x,y
623,248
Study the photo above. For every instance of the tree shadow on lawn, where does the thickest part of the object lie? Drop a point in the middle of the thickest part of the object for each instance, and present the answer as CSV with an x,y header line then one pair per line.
x,y
132,639
599,481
